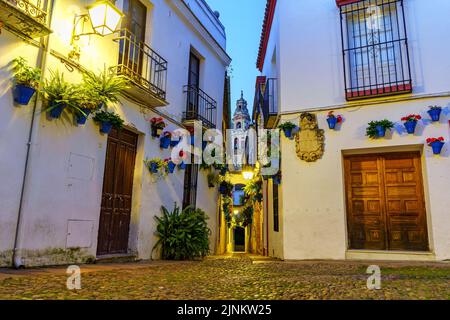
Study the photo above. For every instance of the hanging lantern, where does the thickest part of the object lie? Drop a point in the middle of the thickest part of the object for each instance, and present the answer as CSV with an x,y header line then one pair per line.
x,y
105,17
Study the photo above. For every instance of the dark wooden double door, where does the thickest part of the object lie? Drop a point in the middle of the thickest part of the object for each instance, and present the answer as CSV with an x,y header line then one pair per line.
x,y
116,203
385,202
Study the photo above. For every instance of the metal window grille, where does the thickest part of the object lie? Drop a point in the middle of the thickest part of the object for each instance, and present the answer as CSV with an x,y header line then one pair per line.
x,y
375,49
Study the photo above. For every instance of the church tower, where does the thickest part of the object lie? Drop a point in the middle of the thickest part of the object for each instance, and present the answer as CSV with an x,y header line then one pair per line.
x,y
241,117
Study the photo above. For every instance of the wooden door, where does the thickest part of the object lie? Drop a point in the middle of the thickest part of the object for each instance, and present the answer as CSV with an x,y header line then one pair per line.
x,y
385,202
115,211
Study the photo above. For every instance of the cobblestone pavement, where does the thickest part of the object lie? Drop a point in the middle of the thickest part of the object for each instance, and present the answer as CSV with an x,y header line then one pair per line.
x,y
237,277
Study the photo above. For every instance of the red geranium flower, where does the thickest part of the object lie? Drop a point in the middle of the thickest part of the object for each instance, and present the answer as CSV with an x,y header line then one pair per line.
x,y
432,140
412,117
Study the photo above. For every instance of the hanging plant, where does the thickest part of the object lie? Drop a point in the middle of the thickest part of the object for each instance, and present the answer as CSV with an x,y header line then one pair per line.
x,y
247,216
253,190
59,95
107,84
222,168
287,128
227,203
87,100
410,122
175,139
436,144
333,120
170,165
26,81
435,113
164,141
213,179
377,129
226,188
156,165
108,120
157,126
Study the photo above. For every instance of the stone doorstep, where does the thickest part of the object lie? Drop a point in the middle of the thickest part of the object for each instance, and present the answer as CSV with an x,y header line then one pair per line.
x,y
116,258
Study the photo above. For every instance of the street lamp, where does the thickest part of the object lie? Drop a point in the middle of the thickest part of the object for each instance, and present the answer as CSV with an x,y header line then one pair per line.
x,y
247,172
103,18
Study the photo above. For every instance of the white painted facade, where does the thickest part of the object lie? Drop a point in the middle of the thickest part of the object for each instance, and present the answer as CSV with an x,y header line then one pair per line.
x,y
304,53
60,208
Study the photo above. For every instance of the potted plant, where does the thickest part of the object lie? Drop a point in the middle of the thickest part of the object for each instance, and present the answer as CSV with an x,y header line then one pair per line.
x,y
410,122
182,165
170,165
154,165
435,113
59,94
164,142
377,129
107,120
212,179
26,81
226,188
175,140
107,84
333,120
87,101
436,144
157,126
287,128
221,167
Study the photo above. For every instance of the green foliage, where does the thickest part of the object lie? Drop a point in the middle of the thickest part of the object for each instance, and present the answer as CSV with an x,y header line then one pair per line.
x,y
227,187
26,75
182,235
287,125
161,165
253,190
213,179
371,130
86,97
247,216
107,85
109,116
58,91
227,203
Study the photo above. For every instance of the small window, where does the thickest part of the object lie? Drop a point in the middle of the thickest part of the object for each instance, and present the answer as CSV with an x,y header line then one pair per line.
x,y
238,195
376,57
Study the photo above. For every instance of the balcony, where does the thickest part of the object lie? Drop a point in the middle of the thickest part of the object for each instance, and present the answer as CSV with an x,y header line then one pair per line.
x,y
200,107
25,17
146,70
270,103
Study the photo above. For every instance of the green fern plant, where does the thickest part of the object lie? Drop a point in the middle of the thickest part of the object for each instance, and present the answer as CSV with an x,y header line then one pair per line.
x,y
24,74
107,85
182,234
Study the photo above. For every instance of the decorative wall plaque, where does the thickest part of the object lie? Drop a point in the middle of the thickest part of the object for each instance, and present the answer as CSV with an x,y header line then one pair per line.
x,y
310,139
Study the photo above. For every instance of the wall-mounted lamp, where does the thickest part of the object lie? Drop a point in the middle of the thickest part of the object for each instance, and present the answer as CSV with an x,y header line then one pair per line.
x,y
248,172
103,18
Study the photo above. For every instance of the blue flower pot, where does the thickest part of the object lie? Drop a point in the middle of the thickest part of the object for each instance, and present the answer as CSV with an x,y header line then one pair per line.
x,y
164,142
223,171
192,140
332,121
435,114
381,131
287,132
182,166
437,147
223,190
56,109
153,167
81,118
22,94
105,127
410,126
174,143
204,144
171,166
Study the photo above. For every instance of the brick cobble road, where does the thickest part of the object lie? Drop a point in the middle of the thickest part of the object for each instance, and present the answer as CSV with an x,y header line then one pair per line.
x,y
236,277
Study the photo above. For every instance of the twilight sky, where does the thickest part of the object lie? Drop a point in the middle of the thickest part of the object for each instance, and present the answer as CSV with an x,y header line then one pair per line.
x,y
243,22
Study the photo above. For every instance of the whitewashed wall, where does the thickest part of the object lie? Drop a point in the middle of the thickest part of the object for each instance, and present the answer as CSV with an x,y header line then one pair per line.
x,y
66,165
311,78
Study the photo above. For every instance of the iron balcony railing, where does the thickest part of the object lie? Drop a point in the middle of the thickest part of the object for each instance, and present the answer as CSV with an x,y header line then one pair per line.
x,y
29,17
270,102
142,65
200,106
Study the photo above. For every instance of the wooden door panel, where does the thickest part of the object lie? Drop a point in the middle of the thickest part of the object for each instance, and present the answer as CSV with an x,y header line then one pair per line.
x,y
385,204
405,214
364,203
117,193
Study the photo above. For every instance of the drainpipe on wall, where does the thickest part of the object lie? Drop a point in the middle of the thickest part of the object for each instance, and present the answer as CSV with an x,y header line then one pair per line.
x,y
41,63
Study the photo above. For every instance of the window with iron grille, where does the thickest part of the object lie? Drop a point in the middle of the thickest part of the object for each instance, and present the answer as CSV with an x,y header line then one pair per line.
x,y
375,48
